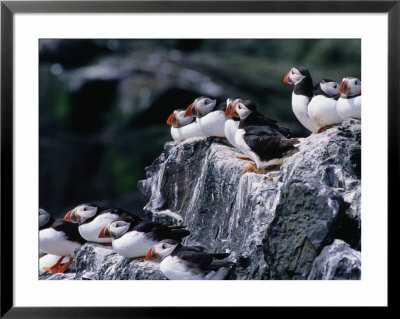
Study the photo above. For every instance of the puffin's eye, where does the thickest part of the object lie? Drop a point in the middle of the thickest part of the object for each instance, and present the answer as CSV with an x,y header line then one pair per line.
x,y
85,209
163,246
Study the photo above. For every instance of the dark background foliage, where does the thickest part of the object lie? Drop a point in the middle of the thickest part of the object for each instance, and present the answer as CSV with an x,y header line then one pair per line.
x,y
104,103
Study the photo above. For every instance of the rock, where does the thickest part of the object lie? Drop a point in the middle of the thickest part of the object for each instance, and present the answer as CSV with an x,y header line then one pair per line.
x,y
273,230
301,221
337,261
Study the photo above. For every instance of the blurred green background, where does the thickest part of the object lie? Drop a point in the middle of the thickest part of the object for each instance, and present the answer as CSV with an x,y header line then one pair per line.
x,y
104,103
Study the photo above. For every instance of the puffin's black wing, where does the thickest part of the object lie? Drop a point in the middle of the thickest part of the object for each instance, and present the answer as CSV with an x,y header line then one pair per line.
x,y
70,229
193,255
263,120
266,143
160,232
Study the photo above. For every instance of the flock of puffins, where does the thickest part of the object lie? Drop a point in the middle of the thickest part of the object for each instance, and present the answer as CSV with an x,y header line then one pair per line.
x,y
260,139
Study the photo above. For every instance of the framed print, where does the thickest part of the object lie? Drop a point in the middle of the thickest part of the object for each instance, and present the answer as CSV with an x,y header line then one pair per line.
x,y
169,140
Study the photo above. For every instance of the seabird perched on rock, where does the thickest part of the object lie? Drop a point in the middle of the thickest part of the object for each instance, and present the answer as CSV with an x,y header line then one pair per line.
x,y
231,123
302,94
58,237
322,107
210,116
183,127
91,219
260,138
349,103
134,240
189,262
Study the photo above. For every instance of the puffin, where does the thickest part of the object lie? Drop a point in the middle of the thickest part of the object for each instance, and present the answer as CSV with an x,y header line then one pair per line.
x,y
134,240
231,123
322,107
210,116
261,138
183,127
58,237
189,262
302,94
91,219
349,103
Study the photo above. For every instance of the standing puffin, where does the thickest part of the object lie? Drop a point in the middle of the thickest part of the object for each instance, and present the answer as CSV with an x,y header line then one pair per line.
x,y
302,94
260,138
133,241
92,219
322,107
349,103
183,127
210,117
58,237
231,123
188,263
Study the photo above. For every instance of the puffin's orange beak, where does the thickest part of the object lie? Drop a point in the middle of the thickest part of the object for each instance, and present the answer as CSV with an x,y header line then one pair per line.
x,y
286,79
341,87
151,254
227,110
359,91
169,121
104,232
67,217
189,110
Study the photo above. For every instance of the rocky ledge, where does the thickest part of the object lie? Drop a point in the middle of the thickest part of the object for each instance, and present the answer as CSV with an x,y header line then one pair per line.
x,y
302,221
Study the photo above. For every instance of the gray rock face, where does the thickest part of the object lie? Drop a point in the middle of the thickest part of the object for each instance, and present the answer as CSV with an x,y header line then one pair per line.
x,y
337,261
300,222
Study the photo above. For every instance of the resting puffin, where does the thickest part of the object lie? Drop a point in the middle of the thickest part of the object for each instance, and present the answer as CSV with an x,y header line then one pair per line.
x,y
322,107
302,94
190,262
231,123
183,127
349,103
260,138
58,237
91,219
210,117
134,240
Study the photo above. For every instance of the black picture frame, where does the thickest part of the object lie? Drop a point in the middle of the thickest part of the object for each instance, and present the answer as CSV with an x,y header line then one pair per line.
x,y
9,8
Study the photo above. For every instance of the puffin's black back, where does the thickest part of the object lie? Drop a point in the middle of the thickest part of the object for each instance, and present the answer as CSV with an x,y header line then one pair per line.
x,y
159,231
70,229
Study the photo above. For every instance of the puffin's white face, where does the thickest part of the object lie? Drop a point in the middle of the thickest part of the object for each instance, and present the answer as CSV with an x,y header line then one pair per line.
x,y
330,88
44,217
204,105
240,110
178,119
294,76
118,228
350,86
81,213
163,249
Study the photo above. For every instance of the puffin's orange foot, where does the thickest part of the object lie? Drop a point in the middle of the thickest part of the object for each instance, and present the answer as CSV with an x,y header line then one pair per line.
x,y
251,167
136,258
106,244
244,158
63,268
55,266
319,130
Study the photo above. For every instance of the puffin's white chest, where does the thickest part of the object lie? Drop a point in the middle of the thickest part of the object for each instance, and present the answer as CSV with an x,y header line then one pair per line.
x,y
187,131
212,124
90,231
244,148
300,109
173,268
230,130
133,244
349,108
322,111
56,243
